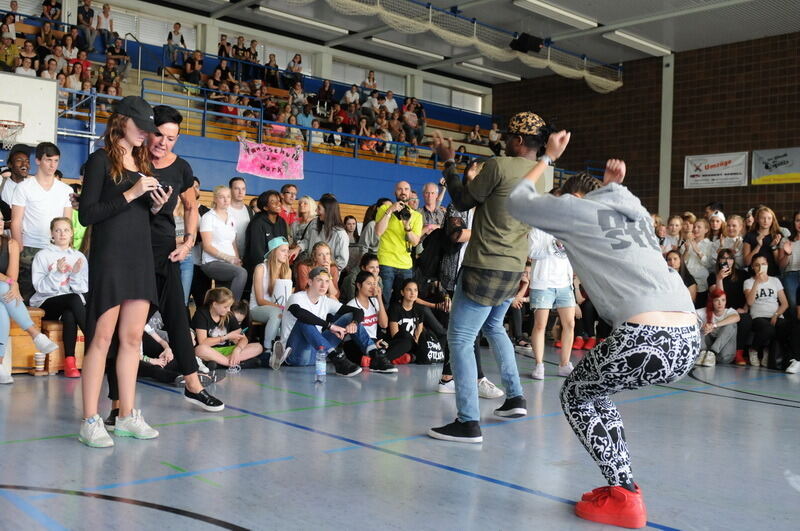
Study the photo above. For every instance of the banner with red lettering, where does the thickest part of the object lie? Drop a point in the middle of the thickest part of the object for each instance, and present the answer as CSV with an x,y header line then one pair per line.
x,y
715,171
270,162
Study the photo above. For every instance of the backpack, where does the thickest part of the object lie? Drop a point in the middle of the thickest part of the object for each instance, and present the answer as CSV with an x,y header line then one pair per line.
x,y
429,349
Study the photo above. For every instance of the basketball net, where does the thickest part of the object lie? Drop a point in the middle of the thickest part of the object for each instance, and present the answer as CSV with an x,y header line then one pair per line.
x,y
9,129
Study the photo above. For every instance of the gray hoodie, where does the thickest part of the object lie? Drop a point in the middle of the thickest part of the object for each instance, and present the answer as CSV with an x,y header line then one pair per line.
x,y
611,244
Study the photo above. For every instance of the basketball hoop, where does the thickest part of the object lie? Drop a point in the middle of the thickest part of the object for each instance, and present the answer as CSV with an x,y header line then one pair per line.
x,y
9,129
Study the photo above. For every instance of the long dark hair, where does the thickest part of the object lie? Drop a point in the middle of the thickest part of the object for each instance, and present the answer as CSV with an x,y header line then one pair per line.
x,y
369,215
355,232
332,217
727,253
793,234
115,131
682,269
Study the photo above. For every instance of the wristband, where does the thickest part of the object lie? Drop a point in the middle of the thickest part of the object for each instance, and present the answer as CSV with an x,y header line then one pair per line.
x,y
10,281
546,159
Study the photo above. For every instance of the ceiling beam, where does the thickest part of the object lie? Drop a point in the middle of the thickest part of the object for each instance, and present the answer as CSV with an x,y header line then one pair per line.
x,y
450,60
227,10
664,15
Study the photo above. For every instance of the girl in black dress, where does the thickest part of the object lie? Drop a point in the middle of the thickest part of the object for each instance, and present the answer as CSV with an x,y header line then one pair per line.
x,y
116,202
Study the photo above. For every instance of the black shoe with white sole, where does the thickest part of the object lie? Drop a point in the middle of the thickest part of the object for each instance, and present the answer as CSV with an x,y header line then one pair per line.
x,y
381,364
512,408
344,367
111,420
204,400
457,431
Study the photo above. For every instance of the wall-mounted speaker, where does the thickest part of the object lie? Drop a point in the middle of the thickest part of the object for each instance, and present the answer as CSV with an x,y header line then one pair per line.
x,y
525,43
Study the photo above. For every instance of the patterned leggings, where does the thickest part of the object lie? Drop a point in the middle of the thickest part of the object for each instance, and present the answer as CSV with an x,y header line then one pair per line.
x,y
633,356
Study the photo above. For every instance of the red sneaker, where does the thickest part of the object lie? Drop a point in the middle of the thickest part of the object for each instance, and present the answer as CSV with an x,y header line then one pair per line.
x,y
402,360
557,344
589,496
578,344
614,506
590,343
365,361
739,360
70,370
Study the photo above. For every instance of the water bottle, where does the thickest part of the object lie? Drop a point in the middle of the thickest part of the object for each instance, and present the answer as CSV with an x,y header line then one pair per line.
x,y
321,368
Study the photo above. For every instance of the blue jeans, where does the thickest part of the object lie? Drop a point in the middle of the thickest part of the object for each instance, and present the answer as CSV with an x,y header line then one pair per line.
x,y
388,275
791,281
11,310
467,317
187,273
305,339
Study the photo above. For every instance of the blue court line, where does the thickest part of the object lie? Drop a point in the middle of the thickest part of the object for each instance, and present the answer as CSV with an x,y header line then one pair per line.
x,y
33,512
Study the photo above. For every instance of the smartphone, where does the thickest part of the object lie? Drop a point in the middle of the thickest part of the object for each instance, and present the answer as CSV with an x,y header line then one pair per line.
x,y
245,329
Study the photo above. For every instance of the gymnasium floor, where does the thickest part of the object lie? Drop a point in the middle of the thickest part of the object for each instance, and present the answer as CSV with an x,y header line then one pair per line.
x,y
717,450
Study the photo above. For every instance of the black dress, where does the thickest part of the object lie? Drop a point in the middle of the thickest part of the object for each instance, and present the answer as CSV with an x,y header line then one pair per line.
x,y
121,256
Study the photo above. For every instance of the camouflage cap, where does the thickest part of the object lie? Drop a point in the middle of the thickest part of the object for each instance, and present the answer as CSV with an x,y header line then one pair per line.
x,y
525,123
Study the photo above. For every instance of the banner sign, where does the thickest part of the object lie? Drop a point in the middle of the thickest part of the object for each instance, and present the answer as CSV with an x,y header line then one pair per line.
x,y
715,171
776,166
270,162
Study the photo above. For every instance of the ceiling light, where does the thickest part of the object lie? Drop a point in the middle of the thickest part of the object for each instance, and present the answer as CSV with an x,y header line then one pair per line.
x,y
557,13
302,20
407,49
490,71
638,43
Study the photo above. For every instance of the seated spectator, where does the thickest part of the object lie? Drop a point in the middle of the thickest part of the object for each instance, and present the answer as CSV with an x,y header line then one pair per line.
x,y
79,42
106,104
220,258
193,68
297,98
272,287
406,323
264,227
368,263
306,214
10,24
767,302
74,81
384,137
330,229
368,240
495,140
675,261
382,120
58,55
305,117
317,136
60,278
229,109
764,240
9,52
398,146
219,334
29,51
462,157
86,24
319,256
718,326
395,124
294,70
351,96
475,137
271,72
108,75
63,96
294,134
325,97
52,70
86,65
45,40
353,116
390,104
369,84
698,255
214,81
105,26
225,72
369,299
365,131
728,278
175,40
224,47
51,10
117,52
314,320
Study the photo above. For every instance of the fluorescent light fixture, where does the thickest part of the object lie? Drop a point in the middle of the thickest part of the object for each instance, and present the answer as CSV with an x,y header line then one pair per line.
x,y
407,49
490,71
560,14
302,20
638,43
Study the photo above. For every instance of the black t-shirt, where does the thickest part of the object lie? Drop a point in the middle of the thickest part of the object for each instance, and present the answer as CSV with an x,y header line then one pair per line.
x,y
179,176
112,50
406,319
202,321
87,13
734,289
765,251
688,279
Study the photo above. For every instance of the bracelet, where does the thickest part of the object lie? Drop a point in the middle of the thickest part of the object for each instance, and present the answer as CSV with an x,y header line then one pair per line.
x,y
546,159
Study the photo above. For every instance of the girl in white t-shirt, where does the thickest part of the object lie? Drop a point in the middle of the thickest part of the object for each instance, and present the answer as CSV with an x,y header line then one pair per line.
x,y
732,238
368,299
719,325
221,260
767,302
698,255
672,241
272,286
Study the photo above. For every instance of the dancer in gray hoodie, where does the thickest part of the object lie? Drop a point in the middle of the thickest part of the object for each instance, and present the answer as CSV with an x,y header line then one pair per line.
x,y
610,243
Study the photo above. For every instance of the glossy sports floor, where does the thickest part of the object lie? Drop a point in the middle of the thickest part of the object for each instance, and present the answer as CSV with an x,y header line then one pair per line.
x,y
717,450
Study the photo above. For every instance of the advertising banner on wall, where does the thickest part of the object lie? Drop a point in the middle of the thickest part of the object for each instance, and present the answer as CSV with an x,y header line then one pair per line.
x,y
715,171
776,166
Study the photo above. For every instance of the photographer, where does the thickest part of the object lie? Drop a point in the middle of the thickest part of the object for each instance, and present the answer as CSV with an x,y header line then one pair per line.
x,y
399,229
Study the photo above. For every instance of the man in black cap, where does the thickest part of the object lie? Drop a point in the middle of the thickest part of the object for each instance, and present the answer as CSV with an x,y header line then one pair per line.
x,y
16,171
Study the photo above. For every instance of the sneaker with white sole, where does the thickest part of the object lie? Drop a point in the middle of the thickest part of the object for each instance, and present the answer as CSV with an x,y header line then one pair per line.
x,y
512,408
754,358
565,370
204,400
448,387
93,433
44,344
279,355
201,367
487,389
538,372
134,426
701,358
457,431
793,368
5,377
711,359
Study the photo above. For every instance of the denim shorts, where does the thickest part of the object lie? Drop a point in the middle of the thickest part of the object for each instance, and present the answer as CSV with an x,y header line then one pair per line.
x,y
546,299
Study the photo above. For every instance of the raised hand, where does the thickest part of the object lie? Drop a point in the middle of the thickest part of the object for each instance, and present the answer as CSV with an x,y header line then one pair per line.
x,y
615,171
556,144
443,146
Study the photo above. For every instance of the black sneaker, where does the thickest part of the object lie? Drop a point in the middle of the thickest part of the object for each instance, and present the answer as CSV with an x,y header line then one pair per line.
x,y
381,364
512,408
204,400
344,367
457,431
111,420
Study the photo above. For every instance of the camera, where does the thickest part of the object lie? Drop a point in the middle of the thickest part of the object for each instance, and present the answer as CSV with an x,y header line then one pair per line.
x,y
404,214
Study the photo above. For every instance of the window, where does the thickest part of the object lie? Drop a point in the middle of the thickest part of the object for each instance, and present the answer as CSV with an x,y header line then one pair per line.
x,y
454,98
282,55
352,74
154,31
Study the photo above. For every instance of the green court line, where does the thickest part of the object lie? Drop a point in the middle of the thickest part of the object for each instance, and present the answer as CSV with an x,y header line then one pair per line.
x,y
34,439
183,471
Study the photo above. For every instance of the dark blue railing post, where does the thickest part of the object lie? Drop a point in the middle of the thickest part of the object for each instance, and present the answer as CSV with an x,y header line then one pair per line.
x,y
205,111
260,124
355,147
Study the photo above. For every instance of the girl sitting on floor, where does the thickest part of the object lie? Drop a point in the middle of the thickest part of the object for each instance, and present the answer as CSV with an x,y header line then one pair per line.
x,y
219,335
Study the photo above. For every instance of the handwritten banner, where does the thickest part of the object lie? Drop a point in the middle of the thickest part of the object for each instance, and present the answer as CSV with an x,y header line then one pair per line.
x,y
270,162
776,166
715,171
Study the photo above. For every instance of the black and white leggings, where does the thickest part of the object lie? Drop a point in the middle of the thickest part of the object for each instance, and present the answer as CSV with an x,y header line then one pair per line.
x,y
633,356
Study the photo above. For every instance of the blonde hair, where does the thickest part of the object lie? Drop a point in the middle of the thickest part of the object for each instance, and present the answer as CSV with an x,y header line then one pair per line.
x,y
312,206
65,220
277,270
217,190
220,296
774,228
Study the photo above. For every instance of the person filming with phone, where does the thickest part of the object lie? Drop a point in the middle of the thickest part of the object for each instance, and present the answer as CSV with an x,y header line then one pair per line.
x,y
399,228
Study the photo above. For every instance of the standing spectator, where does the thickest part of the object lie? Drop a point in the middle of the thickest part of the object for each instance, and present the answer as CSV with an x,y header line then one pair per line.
x,y
716,222
221,260
252,58
763,240
698,255
118,54
368,241
105,26
675,261
294,70
224,47
86,23
271,72
60,278
288,196
432,214
240,211
789,262
265,226
239,53
767,300
35,203
411,124
399,229
272,287
175,40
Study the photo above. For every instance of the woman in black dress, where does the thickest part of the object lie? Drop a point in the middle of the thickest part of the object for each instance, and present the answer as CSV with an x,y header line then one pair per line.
x,y
116,203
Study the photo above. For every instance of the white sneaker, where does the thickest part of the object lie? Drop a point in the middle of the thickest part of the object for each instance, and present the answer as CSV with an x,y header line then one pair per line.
x,y
5,377
448,387
538,372
793,368
134,426
43,344
711,359
93,433
701,358
201,367
754,358
279,355
487,389
565,370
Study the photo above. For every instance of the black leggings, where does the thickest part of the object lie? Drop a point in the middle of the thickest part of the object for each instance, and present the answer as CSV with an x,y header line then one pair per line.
x,y
585,326
68,308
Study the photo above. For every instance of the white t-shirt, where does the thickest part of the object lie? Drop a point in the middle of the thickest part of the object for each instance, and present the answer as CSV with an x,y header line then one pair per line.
x,y
323,307
223,234
370,316
41,206
241,216
391,105
351,97
281,293
103,22
22,71
701,315
766,303
8,190
551,267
